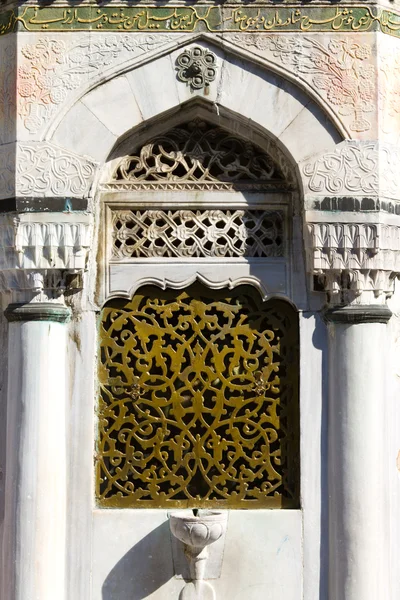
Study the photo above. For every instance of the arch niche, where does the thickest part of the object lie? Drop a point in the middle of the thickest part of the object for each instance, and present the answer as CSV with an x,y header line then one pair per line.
x,y
191,204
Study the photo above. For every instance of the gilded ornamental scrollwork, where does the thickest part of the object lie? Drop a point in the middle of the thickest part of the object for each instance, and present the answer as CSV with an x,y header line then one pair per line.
x,y
198,401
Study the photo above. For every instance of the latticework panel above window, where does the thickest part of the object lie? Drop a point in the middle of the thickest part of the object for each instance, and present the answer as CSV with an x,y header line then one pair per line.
x,y
199,155
196,233
198,401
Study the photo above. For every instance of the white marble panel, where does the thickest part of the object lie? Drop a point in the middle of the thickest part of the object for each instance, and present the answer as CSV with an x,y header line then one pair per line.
x,y
114,105
132,556
154,86
313,452
83,133
263,97
309,132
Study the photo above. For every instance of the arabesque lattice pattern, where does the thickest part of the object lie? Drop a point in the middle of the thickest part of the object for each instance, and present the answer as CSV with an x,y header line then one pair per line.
x,y
198,400
197,233
198,155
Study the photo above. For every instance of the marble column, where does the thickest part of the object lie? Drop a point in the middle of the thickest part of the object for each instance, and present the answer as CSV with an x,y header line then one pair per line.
x,y
36,487
358,544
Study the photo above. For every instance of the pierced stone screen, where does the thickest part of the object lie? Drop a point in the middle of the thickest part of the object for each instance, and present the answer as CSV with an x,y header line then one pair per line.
x,y
198,401
199,155
197,233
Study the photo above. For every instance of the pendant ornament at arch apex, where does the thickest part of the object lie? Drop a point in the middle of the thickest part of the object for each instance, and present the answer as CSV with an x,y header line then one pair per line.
x,y
197,67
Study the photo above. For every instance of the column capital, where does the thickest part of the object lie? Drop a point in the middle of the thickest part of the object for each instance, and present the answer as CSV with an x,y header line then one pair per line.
x,y
357,314
38,311
353,257
43,254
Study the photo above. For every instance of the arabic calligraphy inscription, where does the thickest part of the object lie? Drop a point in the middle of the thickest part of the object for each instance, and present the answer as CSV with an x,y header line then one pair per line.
x,y
214,18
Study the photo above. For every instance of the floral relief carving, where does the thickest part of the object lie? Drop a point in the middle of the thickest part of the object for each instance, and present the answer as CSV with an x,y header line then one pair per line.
x,y
46,169
53,68
389,91
357,168
340,71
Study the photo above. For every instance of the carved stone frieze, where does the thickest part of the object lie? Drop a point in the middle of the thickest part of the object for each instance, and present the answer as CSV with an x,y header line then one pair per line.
x,y
44,169
38,169
354,262
360,168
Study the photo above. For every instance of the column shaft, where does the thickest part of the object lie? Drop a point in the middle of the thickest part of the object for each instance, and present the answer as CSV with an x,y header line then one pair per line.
x,y
358,547
36,487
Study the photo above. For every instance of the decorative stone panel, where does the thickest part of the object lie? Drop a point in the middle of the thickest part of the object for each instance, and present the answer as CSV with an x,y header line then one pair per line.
x,y
44,169
355,168
197,233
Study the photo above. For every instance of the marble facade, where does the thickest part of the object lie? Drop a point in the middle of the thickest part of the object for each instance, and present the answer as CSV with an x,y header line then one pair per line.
x,y
316,88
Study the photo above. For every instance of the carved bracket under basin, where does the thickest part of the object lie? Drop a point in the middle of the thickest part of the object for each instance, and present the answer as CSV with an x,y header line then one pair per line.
x,y
197,533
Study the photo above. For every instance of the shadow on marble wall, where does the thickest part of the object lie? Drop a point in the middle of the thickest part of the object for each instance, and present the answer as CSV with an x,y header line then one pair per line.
x,y
143,570
320,342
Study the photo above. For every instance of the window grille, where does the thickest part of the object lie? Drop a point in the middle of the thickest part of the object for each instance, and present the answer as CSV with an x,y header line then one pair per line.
x,y
198,400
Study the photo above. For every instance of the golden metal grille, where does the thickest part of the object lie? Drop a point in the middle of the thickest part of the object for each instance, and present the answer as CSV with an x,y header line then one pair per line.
x,y
198,400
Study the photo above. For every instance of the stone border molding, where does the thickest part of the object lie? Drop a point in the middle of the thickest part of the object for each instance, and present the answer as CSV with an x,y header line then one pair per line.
x,y
358,314
41,311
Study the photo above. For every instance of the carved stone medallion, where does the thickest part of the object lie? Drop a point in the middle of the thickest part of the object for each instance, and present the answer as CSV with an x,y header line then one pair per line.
x,y
197,67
